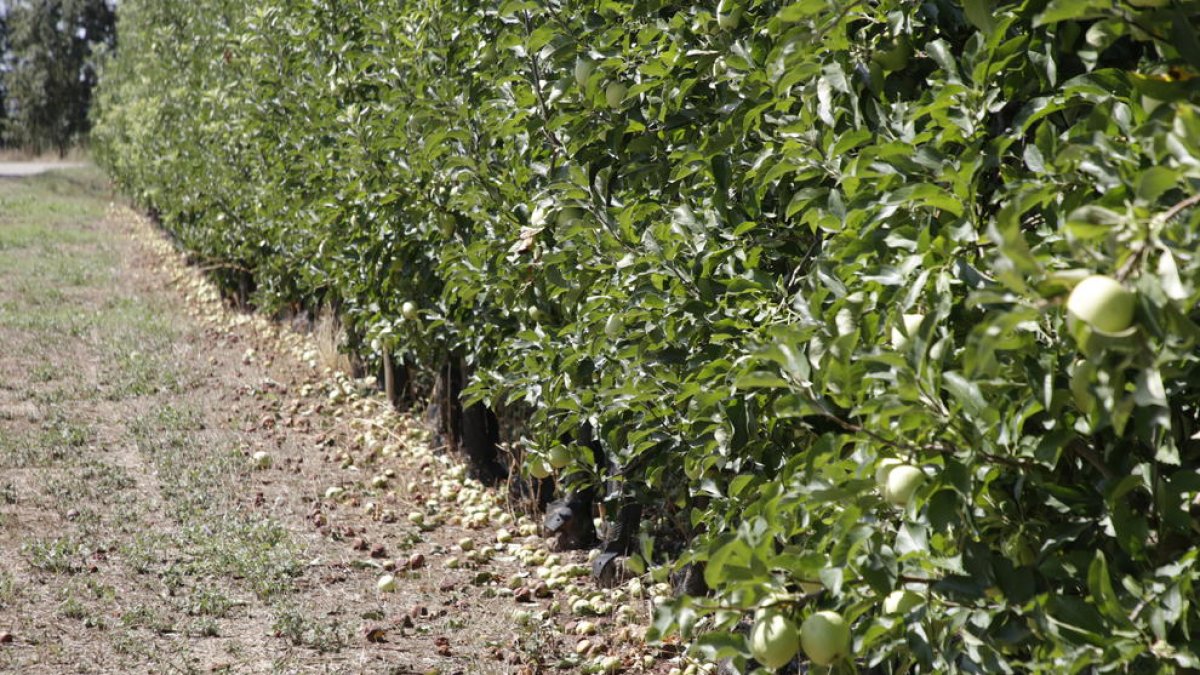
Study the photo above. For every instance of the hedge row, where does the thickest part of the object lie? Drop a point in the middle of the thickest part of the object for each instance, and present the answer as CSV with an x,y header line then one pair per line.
x,y
752,251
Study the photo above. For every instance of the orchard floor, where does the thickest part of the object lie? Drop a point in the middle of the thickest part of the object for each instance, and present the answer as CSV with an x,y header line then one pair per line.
x,y
137,534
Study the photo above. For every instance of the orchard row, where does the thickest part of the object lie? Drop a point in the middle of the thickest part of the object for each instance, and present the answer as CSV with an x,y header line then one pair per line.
x,y
877,317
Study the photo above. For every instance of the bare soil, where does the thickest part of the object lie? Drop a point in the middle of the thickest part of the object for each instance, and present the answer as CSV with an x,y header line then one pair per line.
x,y
139,531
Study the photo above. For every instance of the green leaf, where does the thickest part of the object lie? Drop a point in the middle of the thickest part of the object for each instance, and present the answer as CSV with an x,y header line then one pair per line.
x,y
799,11
1184,37
1102,593
760,379
966,392
1071,10
979,13
1155,181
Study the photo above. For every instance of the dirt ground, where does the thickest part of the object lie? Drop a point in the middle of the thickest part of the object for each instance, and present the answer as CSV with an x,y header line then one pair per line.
x,y
184,488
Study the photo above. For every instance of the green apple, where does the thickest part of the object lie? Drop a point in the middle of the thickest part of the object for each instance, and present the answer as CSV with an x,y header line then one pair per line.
x,y
409,310
583,71
536,314
902,482
539,468
901,601
882,469
1017,549
560,456
1103,303
893,55
729,14
825,637
615,93
912,323
774,640
613,326
569,216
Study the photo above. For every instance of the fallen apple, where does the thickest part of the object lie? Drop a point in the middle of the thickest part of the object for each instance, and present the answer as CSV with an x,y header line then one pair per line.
x,y
774,639
825,637
386,583
1103,303
262,460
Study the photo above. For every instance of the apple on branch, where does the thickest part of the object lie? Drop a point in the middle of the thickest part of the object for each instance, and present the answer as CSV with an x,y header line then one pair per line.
x,y
614,94
825,637
774,639
1102,303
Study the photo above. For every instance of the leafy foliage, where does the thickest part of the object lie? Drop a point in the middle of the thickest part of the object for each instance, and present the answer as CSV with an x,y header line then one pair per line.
x,y
702,235
50,69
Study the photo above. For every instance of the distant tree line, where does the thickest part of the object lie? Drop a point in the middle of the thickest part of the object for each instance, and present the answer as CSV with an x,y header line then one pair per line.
x,y
49,64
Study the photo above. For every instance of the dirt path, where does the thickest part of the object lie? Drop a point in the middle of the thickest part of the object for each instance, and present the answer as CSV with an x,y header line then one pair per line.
x,y
139,531
33,168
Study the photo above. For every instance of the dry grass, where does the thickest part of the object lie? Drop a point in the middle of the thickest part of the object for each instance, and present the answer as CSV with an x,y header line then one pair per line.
x,y
329,336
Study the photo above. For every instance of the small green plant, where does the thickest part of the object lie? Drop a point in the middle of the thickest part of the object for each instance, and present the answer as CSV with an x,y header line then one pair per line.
x,y
9,590
302,630
59,555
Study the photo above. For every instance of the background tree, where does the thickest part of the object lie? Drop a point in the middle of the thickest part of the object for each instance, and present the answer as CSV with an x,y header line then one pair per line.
x,y
53,50
3,64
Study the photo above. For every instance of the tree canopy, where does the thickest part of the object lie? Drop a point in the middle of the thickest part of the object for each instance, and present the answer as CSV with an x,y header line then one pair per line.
x,y
51,68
